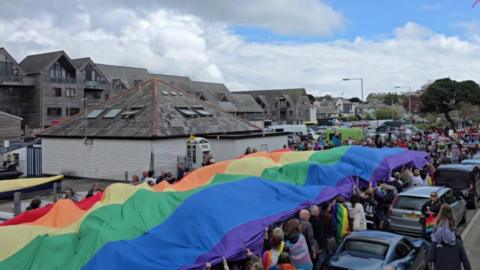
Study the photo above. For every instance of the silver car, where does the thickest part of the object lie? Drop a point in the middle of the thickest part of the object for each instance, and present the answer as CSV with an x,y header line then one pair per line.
x,y
406,209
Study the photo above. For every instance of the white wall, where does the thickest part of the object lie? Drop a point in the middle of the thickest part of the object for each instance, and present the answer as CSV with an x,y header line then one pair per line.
x,y
225,149
108,158
167,152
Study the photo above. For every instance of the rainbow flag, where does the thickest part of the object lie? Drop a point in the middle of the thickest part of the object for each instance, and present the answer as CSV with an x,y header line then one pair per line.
x,y
213,213
340,217
430,224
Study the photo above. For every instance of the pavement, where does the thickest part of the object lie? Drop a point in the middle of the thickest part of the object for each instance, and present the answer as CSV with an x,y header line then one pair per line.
x,y
471,240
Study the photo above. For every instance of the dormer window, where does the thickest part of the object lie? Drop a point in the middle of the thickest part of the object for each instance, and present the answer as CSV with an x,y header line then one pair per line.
x,y
200,96
223,97
90,73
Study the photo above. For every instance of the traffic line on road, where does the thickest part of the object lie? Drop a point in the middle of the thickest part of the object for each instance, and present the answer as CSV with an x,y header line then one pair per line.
x,y
470,224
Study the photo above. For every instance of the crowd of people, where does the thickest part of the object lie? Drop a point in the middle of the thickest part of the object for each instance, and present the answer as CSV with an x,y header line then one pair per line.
x,y
307,239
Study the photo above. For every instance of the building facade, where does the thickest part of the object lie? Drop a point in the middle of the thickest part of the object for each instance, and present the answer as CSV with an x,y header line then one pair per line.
x,y
148,125
16,89
58,89
96,87
282,106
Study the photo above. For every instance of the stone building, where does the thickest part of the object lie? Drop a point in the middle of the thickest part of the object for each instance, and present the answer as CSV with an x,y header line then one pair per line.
x,y
282,106
149,124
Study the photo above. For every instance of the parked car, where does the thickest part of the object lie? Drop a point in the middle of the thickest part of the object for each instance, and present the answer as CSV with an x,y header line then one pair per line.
x,y
462,178
471,161
406,209
376,250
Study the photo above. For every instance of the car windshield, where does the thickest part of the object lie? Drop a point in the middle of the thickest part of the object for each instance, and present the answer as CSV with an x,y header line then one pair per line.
x,y
366,247
411,203
454,179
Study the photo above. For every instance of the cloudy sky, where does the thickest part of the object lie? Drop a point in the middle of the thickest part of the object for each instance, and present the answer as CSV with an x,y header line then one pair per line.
x,y
252,44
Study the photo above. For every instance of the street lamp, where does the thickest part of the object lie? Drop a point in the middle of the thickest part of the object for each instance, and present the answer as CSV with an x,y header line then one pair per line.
x,y
409,100
356,79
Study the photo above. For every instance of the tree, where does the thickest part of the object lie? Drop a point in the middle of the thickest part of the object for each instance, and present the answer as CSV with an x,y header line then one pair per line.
x,y
311,98
387,113
355,99
446,95
391,98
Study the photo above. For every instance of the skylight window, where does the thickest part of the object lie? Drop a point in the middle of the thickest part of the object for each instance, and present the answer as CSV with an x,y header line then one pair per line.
x,y
187,111
112,113
129,114
137,107
165,93
173,93
94,114
202,112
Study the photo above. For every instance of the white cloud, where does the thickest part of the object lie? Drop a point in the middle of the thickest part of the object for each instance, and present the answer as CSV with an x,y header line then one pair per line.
x,y
172,41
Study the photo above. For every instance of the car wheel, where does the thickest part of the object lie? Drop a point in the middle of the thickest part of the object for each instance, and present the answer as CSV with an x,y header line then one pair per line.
x,y
473,204
464,218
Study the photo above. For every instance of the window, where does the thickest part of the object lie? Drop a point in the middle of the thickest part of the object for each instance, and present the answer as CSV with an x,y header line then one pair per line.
x,y
107,96
202,112
374,249
411,203
7,68
402,250
291,113
112,113
117,84
97,94
70,92
90,73
137,83
185,111
72,111
94,114
54,111
57,71
449,198
57,92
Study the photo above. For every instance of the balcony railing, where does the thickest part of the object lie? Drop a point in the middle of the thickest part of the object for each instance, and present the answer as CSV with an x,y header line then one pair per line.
x,y
11,78
63,80
96,84
17,80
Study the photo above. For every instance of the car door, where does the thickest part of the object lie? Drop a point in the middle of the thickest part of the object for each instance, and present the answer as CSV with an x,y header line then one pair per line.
x,y
407,257
457,208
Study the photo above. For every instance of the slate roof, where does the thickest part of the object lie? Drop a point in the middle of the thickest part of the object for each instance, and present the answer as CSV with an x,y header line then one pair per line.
x,y
37,63
127,75
81,62
326,107
215,93
293,95
173,79
159,118
246,103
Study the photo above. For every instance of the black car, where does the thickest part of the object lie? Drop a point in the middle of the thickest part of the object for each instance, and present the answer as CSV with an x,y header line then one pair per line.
x,y
463,179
